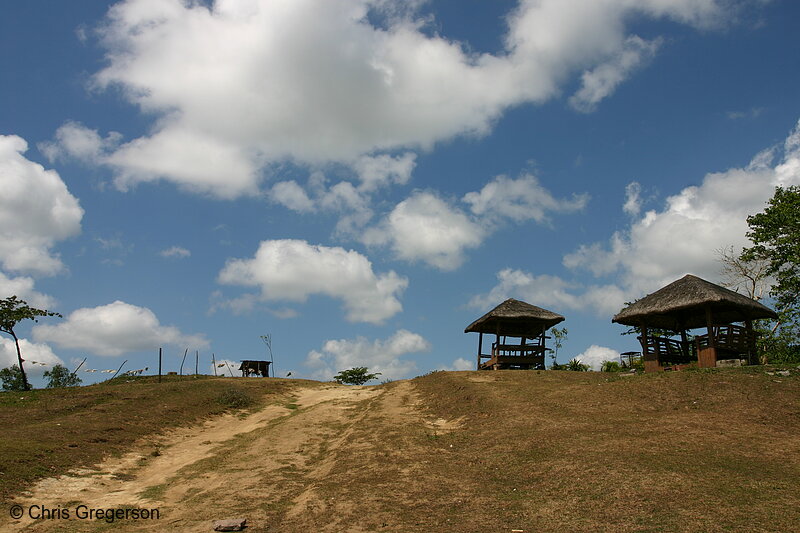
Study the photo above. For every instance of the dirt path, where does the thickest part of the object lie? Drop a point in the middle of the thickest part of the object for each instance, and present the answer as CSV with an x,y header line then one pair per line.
x,y
277,465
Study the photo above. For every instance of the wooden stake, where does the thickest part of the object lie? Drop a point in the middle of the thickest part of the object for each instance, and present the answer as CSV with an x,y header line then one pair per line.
x,y
159,365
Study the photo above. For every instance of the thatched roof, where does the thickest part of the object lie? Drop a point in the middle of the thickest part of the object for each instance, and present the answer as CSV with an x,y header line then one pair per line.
x,y
515,319
682,305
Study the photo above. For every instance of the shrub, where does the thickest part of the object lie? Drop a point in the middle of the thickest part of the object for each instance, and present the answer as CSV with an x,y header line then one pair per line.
x,y
576,366
234,398
60,376
611,366
12,378
355,376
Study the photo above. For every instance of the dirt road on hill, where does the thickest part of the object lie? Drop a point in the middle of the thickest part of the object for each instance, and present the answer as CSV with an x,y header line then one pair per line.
x,y
286,467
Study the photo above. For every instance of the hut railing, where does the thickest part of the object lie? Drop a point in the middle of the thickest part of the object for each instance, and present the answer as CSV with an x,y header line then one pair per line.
x,y
667,350
730,339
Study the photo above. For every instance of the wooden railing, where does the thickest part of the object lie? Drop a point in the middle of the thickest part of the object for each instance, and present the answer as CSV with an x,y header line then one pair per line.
x,y
667,350
729,340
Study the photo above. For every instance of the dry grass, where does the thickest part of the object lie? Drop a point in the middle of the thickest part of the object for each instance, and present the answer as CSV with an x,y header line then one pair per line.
x,y
564,451
49,431
493,451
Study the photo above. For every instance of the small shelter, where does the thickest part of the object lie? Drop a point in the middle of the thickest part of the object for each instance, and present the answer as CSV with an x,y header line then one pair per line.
x,y
254,368
691,303
515,319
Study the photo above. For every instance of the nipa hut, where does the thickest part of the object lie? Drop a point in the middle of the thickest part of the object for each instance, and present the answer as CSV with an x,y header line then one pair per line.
x,y
514,319
691,303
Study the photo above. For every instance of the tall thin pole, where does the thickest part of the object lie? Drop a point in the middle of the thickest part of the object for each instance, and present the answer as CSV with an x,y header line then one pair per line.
x,y
214,363
120,368
184,359
159,365
196,361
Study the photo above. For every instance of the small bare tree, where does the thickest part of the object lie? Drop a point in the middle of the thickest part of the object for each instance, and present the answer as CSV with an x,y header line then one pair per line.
x,y
749,277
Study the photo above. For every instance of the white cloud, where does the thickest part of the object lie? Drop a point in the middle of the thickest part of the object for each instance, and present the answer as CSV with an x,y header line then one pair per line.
x,y
633,200
660,246
595,355
543,291
235,86
520,199
33,354
293,270
36,211
176,252
602,80
378,171
426,228
75,140
22,288
113,330
384,356
292,196
551,292
459,364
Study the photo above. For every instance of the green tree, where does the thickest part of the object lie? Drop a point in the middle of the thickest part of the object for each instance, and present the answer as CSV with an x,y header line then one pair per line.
x,y
13,311
355,376
611,366
559,336
575,365
775,234
12,378
60,376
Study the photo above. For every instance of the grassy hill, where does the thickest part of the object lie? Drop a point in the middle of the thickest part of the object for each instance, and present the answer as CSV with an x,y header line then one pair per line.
x,y
528,450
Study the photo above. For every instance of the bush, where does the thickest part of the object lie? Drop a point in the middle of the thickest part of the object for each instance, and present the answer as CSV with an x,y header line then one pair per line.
x,y
355,376
611,366
60,376
576,366
234,398
12,378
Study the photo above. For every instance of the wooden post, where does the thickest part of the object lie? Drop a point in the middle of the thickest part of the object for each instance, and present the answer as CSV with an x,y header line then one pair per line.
x,y
651,362
196,360
214,363
751,342
480,349
684,341
120,368
159,365
183,360
707,357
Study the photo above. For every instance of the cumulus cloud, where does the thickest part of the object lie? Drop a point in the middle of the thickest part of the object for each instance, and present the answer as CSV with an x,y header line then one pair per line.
x,y
662,245
520,199
426,228
293,270
552,292
33,355
115,329
459,364
633,200
235,86
602,80
36,211
74,140
595,356
175,252
384,356
22,288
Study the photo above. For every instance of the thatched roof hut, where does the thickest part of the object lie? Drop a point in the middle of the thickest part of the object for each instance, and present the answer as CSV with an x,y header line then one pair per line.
x,y
683,305
515,319
691,303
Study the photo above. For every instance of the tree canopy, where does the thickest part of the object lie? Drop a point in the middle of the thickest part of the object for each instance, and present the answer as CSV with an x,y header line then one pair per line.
x,y
60,376
775,234
12,312
355,376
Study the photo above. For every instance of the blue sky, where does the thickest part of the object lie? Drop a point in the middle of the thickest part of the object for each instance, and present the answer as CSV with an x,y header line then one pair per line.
x,y
362,179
